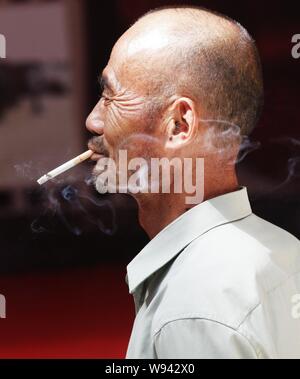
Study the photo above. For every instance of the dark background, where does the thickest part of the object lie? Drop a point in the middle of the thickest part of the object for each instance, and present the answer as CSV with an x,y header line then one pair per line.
x,y
63,255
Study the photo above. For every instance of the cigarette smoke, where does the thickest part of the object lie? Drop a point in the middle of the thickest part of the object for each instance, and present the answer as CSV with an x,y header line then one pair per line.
x,y
76,211
247,147
75,206
293,162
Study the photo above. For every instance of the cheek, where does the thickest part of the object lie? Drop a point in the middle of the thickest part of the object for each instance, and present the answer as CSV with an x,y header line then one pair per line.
x,y
120,125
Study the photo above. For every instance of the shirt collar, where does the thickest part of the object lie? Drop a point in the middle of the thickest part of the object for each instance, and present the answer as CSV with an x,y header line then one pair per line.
x,y
182,231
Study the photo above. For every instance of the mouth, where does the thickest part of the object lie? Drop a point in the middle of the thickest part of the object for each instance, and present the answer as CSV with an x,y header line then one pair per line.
x,y
96,144
95,157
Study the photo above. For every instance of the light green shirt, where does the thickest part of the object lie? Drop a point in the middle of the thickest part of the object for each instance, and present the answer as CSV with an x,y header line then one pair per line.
x,y
218,282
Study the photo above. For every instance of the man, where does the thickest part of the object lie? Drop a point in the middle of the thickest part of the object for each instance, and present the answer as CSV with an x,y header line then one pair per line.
x,y
215,281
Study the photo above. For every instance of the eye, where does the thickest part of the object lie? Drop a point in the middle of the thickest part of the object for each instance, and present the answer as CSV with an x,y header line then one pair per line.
x,y
102,96
105,99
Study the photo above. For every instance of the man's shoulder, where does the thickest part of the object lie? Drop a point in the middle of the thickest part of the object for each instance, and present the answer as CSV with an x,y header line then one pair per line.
x,y
225,273
242,245
252,237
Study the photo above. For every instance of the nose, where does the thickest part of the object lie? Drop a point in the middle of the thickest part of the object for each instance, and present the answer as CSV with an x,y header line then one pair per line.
x,y
94,123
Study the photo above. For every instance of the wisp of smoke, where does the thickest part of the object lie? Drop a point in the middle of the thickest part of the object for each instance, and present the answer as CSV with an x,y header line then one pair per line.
x,y
72,195
54,206
54,203
293,163
247,146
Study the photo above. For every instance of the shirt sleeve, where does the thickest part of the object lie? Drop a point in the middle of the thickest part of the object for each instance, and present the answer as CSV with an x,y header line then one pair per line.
x,y
201,339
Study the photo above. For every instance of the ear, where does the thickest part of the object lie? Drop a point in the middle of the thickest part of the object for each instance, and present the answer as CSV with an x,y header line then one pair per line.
x,y
183,123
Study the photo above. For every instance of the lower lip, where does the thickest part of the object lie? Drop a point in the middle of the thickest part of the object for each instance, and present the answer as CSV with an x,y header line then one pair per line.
x,y
95,157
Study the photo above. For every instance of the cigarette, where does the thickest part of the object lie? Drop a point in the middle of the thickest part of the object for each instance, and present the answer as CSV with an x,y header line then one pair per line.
x,y
64,167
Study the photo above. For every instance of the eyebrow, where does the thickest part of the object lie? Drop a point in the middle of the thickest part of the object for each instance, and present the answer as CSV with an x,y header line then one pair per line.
x,y
104,82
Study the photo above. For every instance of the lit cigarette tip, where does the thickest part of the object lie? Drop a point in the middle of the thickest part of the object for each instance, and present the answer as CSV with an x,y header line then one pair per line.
x,y
64,167
43,179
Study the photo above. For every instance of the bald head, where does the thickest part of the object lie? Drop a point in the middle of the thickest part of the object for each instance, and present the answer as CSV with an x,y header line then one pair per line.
x,y
196,53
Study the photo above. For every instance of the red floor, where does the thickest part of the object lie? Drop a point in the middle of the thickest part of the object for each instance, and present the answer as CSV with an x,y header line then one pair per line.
x,y
76,313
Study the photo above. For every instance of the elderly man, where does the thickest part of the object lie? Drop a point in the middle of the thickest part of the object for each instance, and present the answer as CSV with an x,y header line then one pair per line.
x,y
215,281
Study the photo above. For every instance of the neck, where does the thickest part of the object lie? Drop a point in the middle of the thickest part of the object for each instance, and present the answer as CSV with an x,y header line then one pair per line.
x,y
156,211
